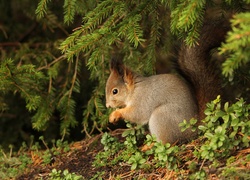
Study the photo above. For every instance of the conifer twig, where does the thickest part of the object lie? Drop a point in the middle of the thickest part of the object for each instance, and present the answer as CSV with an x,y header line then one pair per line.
x,y
53,62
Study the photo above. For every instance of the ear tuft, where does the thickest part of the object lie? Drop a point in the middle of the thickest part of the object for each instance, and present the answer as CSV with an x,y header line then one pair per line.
x,y
117,66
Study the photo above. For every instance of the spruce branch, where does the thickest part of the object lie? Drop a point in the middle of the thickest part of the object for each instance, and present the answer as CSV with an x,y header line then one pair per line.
x,y
42,8
23,79
51,21
69,11
43,113
56,60
237,45
187,18
152,43
74,78
70,41
96,17
66,104
94,111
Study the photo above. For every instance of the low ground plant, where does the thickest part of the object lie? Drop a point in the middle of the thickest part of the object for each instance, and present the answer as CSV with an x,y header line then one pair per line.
x,y
224,131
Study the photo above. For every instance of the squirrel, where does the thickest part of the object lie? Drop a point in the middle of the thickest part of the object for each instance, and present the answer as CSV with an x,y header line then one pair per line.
x,y
163,101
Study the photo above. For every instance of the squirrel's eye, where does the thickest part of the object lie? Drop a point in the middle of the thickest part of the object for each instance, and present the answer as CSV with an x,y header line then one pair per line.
x,y
115,91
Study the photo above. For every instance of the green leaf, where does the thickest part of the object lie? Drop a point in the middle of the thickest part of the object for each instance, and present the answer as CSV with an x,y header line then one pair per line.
x,y
134,166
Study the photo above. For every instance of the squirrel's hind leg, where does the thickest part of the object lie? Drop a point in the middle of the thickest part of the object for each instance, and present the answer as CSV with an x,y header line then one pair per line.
x,y
165,125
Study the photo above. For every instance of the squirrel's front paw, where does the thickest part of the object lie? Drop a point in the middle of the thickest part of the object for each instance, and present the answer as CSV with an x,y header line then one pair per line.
x,y
115,116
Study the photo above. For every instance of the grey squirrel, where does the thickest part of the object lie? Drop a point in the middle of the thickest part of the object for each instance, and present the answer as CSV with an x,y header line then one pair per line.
x,y
163,101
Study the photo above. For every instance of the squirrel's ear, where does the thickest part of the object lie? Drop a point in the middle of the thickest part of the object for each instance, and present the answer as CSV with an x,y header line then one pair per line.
x,y
128,77
117,66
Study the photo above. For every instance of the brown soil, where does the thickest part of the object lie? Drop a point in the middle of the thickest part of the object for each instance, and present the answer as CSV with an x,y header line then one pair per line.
x,y
78,160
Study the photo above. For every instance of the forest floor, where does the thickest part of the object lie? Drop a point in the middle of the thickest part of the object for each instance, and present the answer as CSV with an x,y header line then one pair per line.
x,y
78,160
81,155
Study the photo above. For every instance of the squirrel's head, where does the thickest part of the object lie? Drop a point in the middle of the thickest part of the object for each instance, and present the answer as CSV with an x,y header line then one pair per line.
x,y
119,84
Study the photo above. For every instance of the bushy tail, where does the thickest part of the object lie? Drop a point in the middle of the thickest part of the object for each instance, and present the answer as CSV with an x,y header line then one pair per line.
x,y
196,66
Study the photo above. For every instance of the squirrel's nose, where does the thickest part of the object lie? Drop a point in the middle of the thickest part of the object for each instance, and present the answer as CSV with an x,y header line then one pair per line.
x,y
108,105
